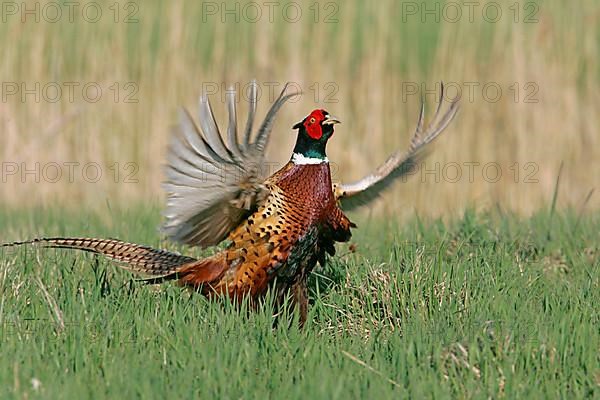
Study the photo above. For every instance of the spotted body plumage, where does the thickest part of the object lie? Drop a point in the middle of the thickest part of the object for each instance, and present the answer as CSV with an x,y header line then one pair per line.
x,y
281,242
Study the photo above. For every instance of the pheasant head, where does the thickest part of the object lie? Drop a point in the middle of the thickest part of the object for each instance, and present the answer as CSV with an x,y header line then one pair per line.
x,y
313,133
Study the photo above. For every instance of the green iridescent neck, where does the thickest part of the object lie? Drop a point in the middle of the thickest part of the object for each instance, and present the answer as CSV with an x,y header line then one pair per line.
x,y
311,148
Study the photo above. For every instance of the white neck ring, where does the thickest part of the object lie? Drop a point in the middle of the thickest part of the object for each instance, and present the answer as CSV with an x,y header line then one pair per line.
x,y
300,159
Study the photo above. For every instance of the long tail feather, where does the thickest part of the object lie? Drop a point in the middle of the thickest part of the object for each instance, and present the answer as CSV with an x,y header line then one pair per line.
x,y
199,274
135,257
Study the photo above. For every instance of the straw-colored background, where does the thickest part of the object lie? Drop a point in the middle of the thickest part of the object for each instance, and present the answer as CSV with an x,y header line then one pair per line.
x,y
364,61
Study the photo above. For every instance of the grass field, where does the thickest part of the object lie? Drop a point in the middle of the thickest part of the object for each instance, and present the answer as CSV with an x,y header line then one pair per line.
x,y
489,305
529,81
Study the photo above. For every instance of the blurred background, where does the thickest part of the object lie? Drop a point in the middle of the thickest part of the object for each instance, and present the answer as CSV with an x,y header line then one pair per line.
x,y
91,90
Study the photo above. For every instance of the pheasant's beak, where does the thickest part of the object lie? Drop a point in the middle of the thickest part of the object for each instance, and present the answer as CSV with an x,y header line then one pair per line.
x,y
331,120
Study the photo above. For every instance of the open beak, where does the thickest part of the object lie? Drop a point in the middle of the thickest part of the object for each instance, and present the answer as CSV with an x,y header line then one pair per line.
x,y
331,120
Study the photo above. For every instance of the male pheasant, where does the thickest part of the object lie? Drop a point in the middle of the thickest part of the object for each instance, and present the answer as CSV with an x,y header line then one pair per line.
x,y
278,228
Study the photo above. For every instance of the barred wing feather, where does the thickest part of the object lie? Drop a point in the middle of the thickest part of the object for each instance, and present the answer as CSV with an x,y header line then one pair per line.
x,y
362,192
213,184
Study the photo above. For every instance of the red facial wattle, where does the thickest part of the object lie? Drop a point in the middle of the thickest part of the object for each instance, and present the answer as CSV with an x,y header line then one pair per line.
x,y
312,124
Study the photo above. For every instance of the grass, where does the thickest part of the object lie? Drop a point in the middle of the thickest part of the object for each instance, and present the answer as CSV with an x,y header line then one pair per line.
x,y
354,66
487,305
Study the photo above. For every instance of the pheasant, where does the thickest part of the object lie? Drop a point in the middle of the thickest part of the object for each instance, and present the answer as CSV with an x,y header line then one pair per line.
x,y
277,228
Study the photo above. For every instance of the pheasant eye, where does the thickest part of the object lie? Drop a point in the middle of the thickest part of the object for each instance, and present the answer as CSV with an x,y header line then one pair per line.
x,y
312,120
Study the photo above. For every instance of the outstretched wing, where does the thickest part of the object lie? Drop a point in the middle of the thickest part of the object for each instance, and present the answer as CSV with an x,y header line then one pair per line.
x,y
361,192
212,185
